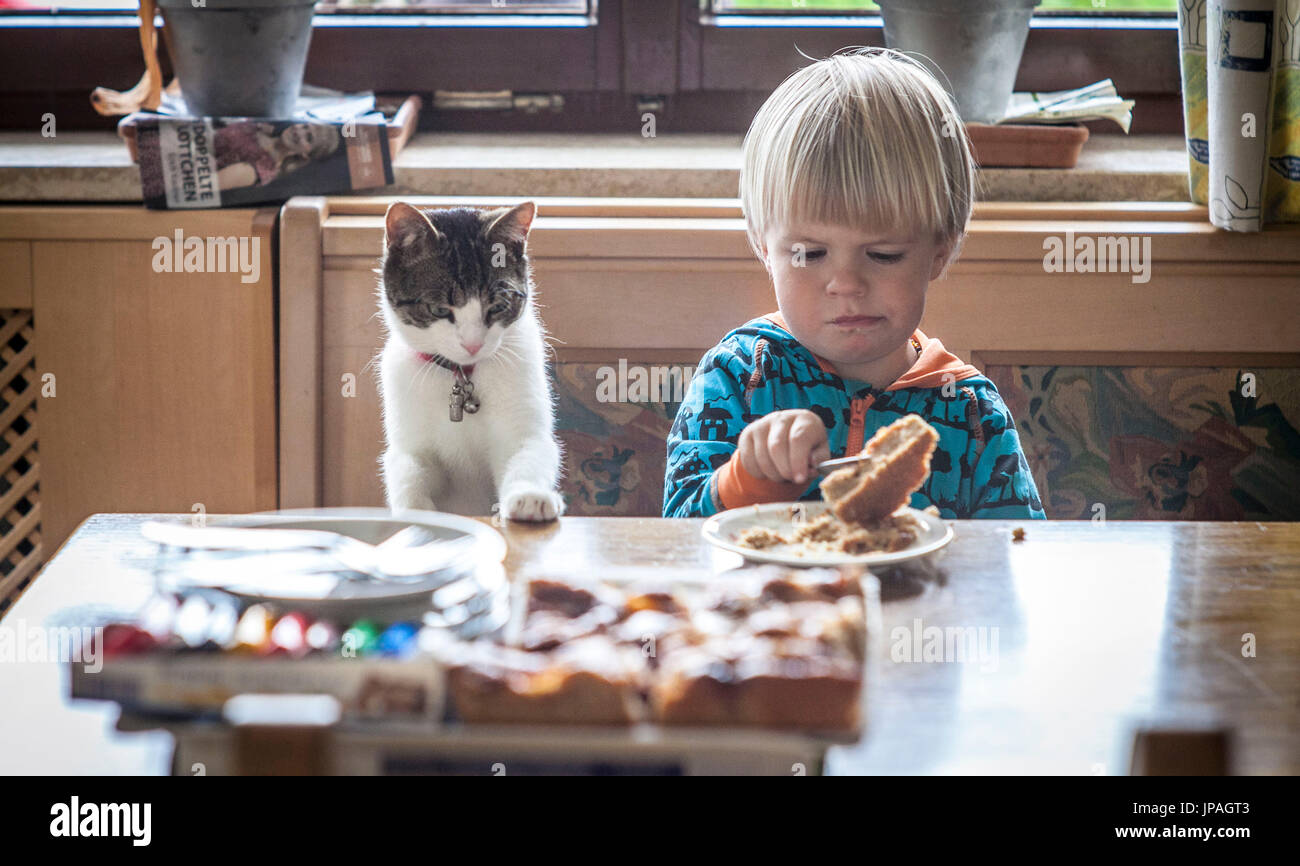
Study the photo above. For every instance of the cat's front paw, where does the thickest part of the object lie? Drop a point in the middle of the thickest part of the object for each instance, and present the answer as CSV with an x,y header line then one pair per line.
x,y
532,504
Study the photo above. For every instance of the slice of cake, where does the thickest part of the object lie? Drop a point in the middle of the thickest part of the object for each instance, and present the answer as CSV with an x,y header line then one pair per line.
x,y
768,647
783,648
589,681
759,681
560,611
896,462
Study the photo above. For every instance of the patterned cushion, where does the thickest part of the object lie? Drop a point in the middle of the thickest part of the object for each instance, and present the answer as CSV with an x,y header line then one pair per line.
x,y
1159,443
1147,443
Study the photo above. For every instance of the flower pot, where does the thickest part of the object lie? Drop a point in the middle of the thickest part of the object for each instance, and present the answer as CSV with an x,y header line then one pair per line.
x,y
238,58
973,48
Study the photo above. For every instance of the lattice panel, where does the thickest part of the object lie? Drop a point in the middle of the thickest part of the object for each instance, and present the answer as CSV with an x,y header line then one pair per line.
x,y
21,554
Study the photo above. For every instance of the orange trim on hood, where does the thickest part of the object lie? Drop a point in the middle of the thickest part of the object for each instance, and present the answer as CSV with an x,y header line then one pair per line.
x,y
933,366
929,371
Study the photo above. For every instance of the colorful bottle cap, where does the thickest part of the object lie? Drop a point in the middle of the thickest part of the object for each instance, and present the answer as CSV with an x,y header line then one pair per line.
x,y
158,617
289,635
399,640
222,624
360,639
323,636
253,634
122,639
191,624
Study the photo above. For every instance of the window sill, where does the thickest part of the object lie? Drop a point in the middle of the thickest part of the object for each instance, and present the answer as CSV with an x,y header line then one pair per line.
x,y
94,167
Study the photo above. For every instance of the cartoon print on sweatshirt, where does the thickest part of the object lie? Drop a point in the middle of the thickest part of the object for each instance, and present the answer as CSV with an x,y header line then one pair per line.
x,y
978,468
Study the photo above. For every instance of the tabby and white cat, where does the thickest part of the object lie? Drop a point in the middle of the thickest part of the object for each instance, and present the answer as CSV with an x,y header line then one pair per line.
x,y
468,410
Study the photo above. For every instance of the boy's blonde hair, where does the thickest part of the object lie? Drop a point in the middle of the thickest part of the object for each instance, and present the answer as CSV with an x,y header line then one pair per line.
x,y
867,138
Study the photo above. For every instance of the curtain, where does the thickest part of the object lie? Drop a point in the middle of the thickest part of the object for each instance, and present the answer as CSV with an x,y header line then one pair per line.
x,y
1241,102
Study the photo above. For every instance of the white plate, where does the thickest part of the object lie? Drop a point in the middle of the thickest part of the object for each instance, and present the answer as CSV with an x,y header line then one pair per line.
x,y
273,578
723,529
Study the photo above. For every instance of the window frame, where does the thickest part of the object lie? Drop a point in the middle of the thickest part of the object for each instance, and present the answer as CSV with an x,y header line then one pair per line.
x,y
712,78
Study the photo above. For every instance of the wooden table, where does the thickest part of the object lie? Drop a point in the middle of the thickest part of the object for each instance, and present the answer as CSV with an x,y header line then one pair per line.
x,y
1091,631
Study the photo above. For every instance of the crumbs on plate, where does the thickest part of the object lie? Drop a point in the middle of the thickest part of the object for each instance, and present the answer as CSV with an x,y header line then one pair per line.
x,y
865,499
829,534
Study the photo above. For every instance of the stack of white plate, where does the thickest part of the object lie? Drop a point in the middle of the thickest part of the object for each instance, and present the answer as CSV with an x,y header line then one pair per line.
x,y
464,591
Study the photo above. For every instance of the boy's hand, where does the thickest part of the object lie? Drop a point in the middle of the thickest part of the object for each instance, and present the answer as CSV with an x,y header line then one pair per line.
x,y
783,446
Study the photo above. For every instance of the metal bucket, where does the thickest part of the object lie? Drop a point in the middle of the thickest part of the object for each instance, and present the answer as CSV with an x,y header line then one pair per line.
x,y
973,48
238,58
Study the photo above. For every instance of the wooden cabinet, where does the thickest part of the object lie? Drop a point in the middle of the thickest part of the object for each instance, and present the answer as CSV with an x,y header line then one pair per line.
x,y
145,389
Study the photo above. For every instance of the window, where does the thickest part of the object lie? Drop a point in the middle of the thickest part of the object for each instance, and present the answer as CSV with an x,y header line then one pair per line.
x,y
448,7
479,7
593,65
856,7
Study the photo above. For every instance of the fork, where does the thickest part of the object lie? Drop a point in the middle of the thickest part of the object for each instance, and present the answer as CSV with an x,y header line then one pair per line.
x,y
397,556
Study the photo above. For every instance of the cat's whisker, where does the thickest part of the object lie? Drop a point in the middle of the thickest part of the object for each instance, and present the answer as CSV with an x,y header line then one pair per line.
x,y
430,371
515,361
507,351
414,381
417,381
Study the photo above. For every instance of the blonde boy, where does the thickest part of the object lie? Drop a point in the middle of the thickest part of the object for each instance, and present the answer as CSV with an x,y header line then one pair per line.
x,y
857,185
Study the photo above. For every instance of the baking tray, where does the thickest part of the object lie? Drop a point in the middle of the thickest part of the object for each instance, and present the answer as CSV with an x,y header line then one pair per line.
x,y
501,750
397,746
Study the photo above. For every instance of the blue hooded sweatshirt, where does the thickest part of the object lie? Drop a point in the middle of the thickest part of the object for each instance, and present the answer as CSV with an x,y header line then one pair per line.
x,y
978,468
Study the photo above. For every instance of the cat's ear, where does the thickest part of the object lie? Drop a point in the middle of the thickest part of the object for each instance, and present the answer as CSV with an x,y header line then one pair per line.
x,y
404,227
511,224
